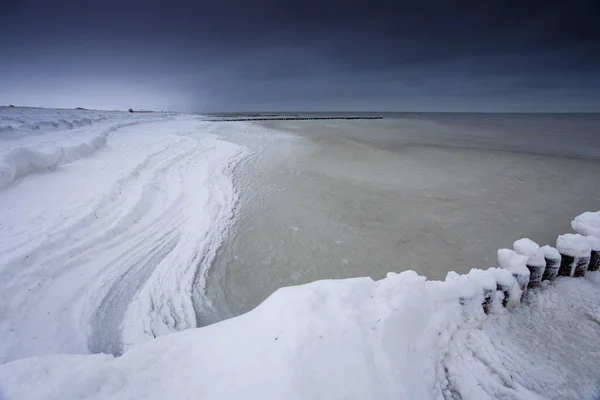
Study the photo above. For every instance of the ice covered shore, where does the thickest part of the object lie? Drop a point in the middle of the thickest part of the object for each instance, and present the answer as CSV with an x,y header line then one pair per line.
x,y
103,244
100,254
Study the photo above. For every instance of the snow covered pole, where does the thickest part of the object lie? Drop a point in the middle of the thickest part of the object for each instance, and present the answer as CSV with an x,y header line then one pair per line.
x,y
516,264
575,254
479,287
552,257
535,260
588,224
508,285
594,243
488,296
594,261
505,291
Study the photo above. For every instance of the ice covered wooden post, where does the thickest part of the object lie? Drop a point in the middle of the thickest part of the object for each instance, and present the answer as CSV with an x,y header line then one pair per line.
x,y
552,257
575,254
535,260
480,287
595,254
517,265
508,285
482,283
588,224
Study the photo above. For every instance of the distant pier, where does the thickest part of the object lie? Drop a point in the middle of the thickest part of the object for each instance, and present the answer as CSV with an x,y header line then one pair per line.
x,y
289,118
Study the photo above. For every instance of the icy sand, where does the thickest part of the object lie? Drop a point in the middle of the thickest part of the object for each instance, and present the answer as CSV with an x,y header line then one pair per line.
x,y
109,228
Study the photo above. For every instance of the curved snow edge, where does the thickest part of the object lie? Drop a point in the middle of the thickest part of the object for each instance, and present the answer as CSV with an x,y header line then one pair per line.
x,y
52,125
23,161
349,338
154,312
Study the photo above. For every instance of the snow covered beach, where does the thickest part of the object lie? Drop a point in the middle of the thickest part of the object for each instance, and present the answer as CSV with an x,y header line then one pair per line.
x,y
111,228
107,248
398,338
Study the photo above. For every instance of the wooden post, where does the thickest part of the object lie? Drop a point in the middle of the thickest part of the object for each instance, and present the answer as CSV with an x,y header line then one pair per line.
x,y
588,224
488,295
535,260
566,265
478,287
505,291
517,265
553,260
594,264
581,265
575,254
594,261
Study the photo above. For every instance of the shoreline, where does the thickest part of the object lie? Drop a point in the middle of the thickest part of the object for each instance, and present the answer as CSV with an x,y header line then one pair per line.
x,y
336,211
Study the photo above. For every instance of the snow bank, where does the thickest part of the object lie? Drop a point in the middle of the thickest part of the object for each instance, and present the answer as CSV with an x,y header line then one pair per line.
x,y
545,349
37,120
57,142
402,337
21,162
587,223
353,338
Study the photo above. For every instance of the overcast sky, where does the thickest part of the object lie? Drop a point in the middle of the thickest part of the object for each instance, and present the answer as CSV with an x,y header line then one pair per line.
x,y
498,55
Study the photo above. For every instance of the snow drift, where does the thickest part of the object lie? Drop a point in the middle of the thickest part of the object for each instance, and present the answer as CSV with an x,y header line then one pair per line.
x,y
106,250
34,121
57,142
399,338
23,161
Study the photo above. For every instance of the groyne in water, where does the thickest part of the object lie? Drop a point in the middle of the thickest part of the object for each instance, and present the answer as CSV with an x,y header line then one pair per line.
x,y
289,118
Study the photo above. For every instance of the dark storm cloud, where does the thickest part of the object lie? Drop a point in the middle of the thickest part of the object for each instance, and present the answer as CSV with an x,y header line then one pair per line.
x,y
211,55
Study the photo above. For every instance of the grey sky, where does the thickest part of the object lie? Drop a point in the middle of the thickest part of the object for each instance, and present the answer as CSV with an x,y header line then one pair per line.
x,y
309,55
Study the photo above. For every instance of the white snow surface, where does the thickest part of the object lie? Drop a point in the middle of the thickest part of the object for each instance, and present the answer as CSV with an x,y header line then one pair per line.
x,y
399,338
594,242
532,250
587,223
34,140
551,253
514,262
574,245
102,251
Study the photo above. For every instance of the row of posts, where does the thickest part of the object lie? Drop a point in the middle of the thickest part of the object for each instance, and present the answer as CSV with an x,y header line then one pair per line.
x,y
573,256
